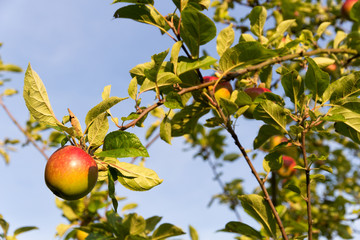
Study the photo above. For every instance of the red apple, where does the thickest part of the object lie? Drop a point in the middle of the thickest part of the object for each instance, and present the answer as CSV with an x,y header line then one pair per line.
x,y
253,93
331,68
71,173
223,89
346,7
287,169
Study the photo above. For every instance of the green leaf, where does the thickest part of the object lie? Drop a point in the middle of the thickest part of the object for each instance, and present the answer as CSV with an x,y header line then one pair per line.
x,y
354,12
281,29
243,229
245,53
165,130
271,113
166,230
9,92
316,80
231,157
112,176
228,106
101,108
4,225
141,13
151,223
24,229
10,68
272,162
163,79
321,29
352,116
186,64
120,144
173,101
323,62
342,88
156,63
326,168
196,29
225,39
129,206
293,85
240,98
132,90
257,19
136,178
175,54
185,121
106,92
318,177
265,133
340,36
36,99
136,224
256,206
98,129
193,233
293,188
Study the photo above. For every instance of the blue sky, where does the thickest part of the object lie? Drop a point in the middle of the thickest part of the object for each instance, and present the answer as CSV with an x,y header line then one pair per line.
x,y
77,48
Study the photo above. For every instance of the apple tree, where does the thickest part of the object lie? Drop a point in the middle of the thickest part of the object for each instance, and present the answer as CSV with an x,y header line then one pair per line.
x,y
294,68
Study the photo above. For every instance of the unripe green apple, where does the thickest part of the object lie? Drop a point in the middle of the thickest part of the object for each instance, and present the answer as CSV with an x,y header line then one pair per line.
x,y
71,173
81,235
253,93
223,89
287,169
346,7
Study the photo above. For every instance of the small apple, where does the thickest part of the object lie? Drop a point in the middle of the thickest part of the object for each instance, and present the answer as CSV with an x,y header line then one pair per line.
x,y
223,89
287,169
71,173
253,93
331,68
346,7
81,235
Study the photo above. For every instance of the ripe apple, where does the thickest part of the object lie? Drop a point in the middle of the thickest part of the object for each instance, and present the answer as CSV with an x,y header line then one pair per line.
x,y
223,89
71,173
253,93
287,169
346,7
81,235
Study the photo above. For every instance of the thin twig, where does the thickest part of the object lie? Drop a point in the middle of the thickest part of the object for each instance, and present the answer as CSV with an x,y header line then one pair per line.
x,y
308,187
142,114
27,135
261,183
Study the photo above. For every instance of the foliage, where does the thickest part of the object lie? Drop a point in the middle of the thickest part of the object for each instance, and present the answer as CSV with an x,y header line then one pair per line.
x,y
284,46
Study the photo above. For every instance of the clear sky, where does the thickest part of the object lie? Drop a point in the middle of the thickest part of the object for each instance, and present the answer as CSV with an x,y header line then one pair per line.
x,y
77,48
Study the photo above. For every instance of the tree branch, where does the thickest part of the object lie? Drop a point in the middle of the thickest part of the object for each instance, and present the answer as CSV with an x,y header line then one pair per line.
x,y
308,187
27,135
261,183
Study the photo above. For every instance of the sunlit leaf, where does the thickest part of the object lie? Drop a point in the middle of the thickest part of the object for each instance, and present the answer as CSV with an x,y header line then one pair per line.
x,y
120,144
136,178
166,230
256,206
